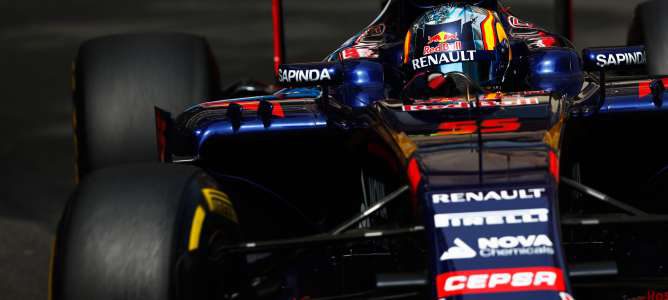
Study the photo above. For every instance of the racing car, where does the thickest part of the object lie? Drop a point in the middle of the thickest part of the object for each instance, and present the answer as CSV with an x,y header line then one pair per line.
x,y
449,150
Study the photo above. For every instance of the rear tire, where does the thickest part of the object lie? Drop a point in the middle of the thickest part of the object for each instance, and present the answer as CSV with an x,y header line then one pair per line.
x,y
118,80
650,28
131,232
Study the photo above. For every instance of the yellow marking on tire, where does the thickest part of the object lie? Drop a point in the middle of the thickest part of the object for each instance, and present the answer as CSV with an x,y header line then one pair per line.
x,y
219,203
196,228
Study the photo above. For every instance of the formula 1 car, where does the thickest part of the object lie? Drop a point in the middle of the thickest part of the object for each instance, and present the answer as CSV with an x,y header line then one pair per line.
x,y
358,179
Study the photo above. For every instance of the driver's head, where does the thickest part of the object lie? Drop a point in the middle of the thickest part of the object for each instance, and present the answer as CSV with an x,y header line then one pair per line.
x,y
458,38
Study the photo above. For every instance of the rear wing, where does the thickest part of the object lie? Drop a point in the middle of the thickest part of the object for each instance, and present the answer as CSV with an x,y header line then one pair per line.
x,y
614,58
626,91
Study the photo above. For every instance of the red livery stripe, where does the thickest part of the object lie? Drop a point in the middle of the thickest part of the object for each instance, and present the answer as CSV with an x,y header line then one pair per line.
x,y
500,281
414,179
644,89
248,105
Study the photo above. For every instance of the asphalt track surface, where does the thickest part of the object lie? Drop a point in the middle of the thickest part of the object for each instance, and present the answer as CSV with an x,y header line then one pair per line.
x,y
39,39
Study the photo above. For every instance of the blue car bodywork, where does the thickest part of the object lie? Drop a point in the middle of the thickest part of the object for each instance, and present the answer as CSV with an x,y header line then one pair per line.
x,y
484,173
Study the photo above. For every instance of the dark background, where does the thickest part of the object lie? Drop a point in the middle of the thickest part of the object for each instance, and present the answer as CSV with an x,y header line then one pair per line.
x,y
39,39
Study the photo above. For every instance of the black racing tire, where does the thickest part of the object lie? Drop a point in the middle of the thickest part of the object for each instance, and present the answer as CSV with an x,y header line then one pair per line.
x,y
132,232
650,28
118,80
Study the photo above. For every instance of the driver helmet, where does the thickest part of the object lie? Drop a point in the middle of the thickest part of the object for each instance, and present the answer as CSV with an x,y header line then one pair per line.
x,y
458,38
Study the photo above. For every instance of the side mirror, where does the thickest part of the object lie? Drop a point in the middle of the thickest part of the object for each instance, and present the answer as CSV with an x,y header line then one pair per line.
x,y
614,58
309,74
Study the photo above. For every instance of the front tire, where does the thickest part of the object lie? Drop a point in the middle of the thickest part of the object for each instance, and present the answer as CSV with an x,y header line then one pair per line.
x,y
142,232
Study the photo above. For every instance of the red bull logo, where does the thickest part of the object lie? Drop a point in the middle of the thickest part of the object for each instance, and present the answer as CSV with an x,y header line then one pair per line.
x,y
443,37
445,41
442,47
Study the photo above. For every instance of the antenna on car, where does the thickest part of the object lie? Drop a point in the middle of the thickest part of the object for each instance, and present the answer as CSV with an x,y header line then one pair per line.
x,y
279,33
564,18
